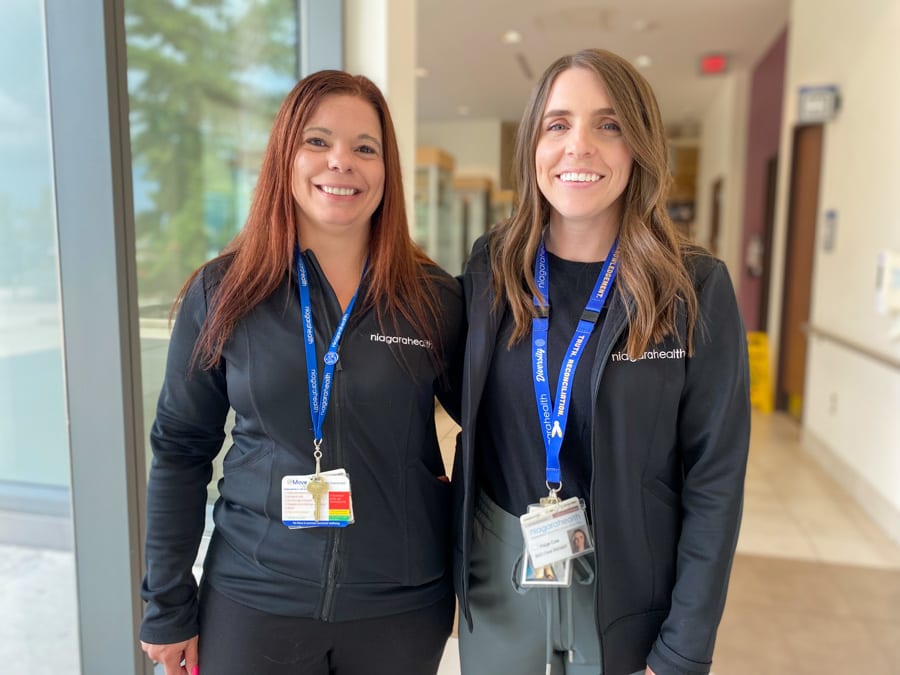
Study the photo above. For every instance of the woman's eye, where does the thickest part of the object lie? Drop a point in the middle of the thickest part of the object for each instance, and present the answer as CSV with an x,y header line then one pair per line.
x,y
611,126
317,142
556,126
367,150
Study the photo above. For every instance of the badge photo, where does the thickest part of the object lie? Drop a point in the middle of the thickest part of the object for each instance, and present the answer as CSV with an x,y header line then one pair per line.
x,y
580,541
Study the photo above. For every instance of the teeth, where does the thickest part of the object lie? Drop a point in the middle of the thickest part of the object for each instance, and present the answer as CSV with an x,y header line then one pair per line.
x,y
580,177
341,192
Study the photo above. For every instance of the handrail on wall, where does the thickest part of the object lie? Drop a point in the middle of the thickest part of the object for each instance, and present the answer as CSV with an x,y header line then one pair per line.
x,y
883,359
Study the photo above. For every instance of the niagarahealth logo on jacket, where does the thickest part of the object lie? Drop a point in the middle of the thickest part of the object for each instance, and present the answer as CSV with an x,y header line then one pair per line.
x,y
650,354
400,340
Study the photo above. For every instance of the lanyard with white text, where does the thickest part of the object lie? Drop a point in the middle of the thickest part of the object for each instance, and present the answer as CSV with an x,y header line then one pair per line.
x,y
318,405
553,419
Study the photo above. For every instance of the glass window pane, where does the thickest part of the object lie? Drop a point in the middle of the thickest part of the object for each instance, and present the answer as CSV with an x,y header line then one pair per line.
x,y
205,80
37,572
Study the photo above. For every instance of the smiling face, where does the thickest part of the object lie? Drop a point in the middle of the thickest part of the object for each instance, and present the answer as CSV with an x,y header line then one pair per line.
x,y
582,161
338,171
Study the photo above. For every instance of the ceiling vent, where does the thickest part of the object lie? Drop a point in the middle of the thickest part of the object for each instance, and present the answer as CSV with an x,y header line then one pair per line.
x,y
524,67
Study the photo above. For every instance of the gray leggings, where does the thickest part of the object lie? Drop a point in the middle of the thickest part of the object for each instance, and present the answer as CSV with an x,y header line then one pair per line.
x,y
511,626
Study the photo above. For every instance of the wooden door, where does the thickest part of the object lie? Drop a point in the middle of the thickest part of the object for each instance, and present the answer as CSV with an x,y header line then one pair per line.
x,y
797,290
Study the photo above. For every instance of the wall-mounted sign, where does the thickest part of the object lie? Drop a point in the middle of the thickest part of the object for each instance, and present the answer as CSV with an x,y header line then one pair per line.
x,y
817,104
829,230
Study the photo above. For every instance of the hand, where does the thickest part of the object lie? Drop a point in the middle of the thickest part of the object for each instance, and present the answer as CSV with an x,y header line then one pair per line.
x,y
649,671
172,655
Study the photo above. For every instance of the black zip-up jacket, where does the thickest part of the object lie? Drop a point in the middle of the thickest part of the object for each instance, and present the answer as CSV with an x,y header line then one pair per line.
x,y
669,439
379,427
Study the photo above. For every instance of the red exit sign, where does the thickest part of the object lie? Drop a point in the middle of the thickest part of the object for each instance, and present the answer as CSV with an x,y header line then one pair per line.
x,y
713,64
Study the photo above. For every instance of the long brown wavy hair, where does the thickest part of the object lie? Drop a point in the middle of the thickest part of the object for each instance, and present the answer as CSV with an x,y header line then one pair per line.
x,y
652,253
262,253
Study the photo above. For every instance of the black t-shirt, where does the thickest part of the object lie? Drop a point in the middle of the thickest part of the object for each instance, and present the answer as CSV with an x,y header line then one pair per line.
x,y
509,445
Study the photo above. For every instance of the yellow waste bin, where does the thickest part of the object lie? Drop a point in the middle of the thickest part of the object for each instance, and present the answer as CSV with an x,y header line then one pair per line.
x,y
761,396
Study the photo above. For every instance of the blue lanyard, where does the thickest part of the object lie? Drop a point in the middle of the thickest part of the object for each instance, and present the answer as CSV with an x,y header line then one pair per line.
x,y
318,404
553,419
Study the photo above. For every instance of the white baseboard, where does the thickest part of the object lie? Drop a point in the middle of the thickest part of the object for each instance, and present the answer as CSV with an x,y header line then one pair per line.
x,y
885,514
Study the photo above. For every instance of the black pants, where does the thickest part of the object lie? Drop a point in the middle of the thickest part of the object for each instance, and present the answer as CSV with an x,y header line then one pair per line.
x,y
238,640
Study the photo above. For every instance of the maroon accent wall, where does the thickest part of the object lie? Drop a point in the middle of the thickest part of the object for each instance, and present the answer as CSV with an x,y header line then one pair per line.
x,y
763,135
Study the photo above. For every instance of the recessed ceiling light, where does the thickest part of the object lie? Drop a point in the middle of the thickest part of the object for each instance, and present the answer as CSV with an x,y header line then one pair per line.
x,y
421,72
511,37
640,25
463,110
643,61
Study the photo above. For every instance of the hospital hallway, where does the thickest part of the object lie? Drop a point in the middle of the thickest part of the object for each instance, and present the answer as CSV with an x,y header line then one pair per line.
x,y
815,588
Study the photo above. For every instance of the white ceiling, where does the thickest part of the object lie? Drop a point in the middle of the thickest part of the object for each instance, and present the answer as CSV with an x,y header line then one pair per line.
x,y
459,45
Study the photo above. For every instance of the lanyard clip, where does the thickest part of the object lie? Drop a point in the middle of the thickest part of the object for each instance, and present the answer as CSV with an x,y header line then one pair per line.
x,y
317,453
552,496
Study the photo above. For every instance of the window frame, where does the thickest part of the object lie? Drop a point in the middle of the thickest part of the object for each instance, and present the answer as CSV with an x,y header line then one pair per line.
x,y
88,97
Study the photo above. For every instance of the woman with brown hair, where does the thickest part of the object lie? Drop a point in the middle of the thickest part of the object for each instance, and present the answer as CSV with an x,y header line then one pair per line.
x,y
605,388
328,332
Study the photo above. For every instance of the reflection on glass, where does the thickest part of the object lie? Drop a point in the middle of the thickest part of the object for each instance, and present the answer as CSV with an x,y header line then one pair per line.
x,y
37,574
205,80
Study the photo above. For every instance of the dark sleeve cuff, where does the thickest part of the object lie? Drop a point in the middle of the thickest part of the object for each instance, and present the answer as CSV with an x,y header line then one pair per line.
x,y
155,631
665,661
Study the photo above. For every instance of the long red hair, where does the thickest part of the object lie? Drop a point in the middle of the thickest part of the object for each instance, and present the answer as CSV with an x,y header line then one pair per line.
x,y
262,253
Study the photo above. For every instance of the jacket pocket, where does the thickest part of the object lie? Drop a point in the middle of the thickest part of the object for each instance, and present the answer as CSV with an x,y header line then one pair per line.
x,y
662,511
427,526
248,516
664,493
245,477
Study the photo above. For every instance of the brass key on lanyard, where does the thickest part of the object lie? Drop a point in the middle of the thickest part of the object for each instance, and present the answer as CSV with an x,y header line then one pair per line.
x,y
317,486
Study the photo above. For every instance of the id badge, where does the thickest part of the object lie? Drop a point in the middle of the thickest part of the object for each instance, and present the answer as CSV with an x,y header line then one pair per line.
x,y
298,507
557,574
556,532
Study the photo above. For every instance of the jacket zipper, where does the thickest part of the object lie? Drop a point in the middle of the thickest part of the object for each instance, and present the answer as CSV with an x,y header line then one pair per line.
x,y
334,564
607,350
335,533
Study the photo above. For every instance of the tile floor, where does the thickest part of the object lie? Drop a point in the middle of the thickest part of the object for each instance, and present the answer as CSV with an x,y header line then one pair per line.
x,y
816,584
815,588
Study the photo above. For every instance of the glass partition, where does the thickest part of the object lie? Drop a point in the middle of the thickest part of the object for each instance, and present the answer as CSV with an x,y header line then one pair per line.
x,y
37,564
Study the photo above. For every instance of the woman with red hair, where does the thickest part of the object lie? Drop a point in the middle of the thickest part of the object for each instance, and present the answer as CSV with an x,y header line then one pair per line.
x,y
328,332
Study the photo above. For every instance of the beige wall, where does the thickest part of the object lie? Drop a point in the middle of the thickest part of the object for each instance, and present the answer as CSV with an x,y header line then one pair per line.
x,y
852,401
723,155
380,43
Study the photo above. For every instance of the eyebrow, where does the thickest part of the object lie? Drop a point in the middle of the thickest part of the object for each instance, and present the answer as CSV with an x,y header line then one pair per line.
x,y
371,138
328,132
563,113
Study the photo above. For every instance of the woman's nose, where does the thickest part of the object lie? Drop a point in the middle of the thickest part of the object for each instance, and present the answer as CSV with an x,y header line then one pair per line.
x,y
579,142
340,160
